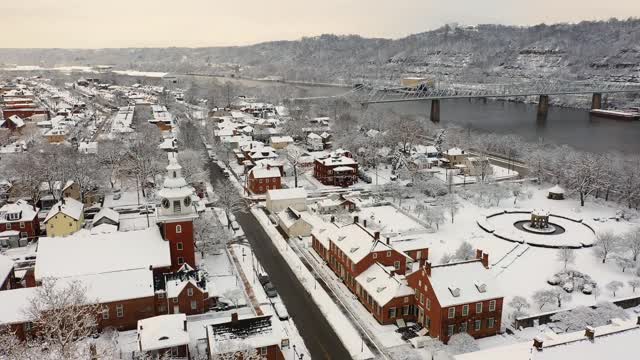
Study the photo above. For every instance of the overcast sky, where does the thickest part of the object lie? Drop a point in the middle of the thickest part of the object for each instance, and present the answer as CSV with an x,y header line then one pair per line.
x,y
148,23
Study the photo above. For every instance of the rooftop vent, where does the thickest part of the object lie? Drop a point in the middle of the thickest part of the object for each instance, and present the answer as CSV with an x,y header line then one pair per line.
x,y
370,278
455,291
354,249
482,287
381,289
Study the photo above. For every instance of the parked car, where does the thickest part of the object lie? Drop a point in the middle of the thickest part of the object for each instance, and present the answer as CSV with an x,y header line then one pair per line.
x,y
235,226
587,289
226,173
263,279
281,311
270,290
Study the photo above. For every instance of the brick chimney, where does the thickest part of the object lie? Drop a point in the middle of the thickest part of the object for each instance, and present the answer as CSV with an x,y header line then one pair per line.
x,y
364,222
333,219
485,260
356,219
427,268
638,321
184,325
537,343
376,235
478,254
388,240
590,333
234,318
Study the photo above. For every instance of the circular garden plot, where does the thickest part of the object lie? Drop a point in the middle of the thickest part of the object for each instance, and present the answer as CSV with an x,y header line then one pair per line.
x,y
558,231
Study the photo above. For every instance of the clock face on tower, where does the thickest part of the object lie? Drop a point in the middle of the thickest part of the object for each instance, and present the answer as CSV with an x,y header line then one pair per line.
x,y
165,203
187,201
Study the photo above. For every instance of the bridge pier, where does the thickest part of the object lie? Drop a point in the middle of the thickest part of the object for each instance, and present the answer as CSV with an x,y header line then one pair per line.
x,y
435,110
596,101
543,106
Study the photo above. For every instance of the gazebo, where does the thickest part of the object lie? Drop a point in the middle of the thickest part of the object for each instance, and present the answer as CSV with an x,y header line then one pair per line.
x,y
556,193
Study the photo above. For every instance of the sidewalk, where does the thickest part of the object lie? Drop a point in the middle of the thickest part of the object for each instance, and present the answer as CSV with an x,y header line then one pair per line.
x,y
246,283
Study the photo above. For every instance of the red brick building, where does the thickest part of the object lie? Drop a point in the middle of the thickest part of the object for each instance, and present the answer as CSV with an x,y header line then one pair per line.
x,y
7,273
458,297
22,218
337,170
371,268
261,179
185,297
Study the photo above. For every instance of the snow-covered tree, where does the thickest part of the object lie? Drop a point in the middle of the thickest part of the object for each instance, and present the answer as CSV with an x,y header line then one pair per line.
x,y
209,233
452,206
519,304
229,199
462,343
560,295
447,258
142,156
631,243
582,316
193,165
583,173
111,154
64,316
234,295
566,255
431,215
628,180
295,156
519,192
614,286
625,263
544,297
440,139
635,283
606,243
465,251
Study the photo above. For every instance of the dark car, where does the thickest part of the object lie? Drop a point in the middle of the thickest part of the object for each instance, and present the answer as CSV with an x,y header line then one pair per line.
x,y
263,278
270,290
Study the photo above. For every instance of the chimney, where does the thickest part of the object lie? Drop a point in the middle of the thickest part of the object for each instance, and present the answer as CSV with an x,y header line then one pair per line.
x,y
364,222
537,343
427,268
62,200
485,260
388,240
234,318
478,254
590,333
184,326
356,219
376,235
638,321
333,219
391,273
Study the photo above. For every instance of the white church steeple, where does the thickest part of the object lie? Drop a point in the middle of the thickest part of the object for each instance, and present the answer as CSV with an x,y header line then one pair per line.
x,y
175,195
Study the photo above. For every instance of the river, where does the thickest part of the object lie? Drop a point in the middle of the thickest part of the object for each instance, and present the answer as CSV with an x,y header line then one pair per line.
x,y
573,127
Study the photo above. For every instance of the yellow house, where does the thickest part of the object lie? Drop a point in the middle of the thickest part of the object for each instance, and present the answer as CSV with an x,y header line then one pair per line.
x,y
64,218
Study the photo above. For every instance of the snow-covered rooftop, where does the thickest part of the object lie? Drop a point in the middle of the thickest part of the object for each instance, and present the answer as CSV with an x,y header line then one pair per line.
x,y
14,303
556,190
6,265
70,207
114,285
163,331
472,281
26,211
378,282
108,214
287,194
261,172
338,161
88,253
250,331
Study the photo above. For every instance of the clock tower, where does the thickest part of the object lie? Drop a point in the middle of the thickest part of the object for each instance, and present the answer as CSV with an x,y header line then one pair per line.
x,y
176,214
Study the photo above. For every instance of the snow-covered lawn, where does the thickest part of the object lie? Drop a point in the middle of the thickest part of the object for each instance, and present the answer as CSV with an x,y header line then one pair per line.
x,y
521,269
388,219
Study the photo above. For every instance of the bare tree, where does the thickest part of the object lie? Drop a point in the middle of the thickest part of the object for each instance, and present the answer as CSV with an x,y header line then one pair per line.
x,y
193,165
28,177
625,263
606,243
614,286
634,284
451,204
543,297
143,158
295,156
566,255
111,154
209,233
465,251
583,173
560,295
234,295
519,305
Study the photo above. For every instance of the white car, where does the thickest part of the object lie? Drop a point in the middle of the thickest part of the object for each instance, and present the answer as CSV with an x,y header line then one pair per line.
x,y
281,311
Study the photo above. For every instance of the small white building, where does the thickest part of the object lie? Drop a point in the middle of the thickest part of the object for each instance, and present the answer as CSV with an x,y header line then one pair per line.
x,y
295,223
314,142
164,335
280,199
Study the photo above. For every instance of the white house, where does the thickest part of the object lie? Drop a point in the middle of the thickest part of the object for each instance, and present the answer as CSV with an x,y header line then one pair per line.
x,y
314,142
280,199
294,222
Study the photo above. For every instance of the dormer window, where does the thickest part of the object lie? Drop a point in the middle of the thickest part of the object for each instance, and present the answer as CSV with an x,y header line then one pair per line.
x,y
13,216
174,175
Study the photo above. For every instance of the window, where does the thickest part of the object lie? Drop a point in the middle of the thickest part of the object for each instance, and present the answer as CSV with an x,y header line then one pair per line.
x,y
388,253
190,292
21,225
9,226
450,330
263,351
428,304
284,344
178,229
160,295
119,311
492,305
490,323
177,207
417,293
260,181
478,325
13,216
463,327
267,180
405,310
23,235
422,298
194,305
70,224
27,326
392,312
375,255
478,308
452,312
396,265
179,245
174,351
175,300
406,299
465,310
180,260
105,313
